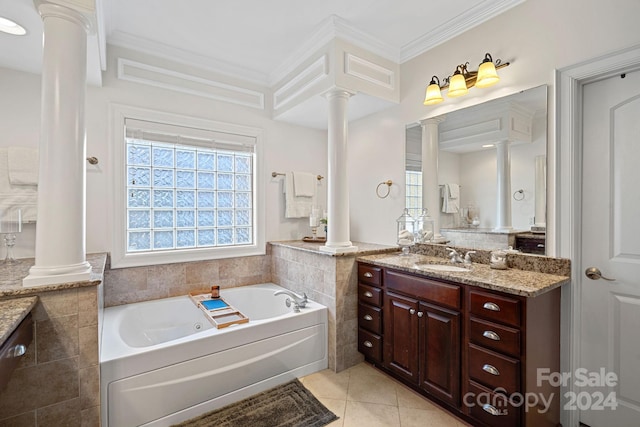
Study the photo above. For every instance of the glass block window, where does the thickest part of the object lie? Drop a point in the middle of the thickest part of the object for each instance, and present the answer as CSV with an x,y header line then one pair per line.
x,y
414,193
187,188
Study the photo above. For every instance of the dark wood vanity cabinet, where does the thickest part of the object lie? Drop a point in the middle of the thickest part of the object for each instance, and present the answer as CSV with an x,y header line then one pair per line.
x,y
422,333
455,343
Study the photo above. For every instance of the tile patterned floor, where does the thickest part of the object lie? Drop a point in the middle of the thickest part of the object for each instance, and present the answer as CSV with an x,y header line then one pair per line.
x,y
362,396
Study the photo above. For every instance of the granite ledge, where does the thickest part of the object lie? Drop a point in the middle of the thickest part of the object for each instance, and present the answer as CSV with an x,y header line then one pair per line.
x,y
12,312
11,278
512,281
363,248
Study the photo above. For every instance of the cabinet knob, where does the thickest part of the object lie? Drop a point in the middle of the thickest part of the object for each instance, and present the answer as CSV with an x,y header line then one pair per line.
x,y
18,350
367,344
420,314
491,369
491,306
368,275
412,311
368,294
491,335
491,409
368,317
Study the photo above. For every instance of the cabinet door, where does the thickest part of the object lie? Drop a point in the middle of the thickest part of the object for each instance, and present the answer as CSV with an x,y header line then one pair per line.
x,y
401,336
440,352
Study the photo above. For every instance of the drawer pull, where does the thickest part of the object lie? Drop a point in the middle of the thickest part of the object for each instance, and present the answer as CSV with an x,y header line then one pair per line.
x,y
491,306
18,350
491,335
491,409
420,314
368,344
368,275
541,245
491,369
368,294
412,311
368,318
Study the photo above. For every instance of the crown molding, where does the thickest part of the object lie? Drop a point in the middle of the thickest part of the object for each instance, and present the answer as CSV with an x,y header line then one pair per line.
x,y
128,41
331,28
471,18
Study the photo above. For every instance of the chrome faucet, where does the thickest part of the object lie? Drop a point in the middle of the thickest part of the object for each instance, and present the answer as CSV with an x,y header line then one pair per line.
x,y
455,256
295,299
467,258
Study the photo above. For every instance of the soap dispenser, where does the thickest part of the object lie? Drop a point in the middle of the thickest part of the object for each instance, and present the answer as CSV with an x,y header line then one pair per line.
x,y
405,231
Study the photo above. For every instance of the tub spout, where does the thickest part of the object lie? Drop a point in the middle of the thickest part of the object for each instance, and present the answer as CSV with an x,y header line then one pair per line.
x,y
297,300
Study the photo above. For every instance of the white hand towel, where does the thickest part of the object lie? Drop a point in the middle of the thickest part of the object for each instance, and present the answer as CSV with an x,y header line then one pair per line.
x,y
304,184
24,197
23,165
450,203
296,207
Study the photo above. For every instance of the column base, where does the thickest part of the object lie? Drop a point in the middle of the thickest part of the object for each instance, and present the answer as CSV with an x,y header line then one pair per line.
x,y
43,276
338,249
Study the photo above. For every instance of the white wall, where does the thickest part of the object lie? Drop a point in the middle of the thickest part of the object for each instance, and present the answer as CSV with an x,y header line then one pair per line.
x,y
286,147
537,37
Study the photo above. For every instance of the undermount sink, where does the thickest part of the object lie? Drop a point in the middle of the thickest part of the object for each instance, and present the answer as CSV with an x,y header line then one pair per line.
x,y
441,267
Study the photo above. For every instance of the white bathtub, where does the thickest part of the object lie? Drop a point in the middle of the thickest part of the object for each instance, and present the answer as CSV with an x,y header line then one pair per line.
x,y
162,362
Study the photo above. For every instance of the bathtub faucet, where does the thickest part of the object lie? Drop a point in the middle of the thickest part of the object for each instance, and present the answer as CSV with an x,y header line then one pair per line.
x,y
297,300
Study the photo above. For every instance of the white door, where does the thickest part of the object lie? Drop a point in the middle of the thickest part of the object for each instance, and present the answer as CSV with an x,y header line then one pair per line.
x,y
610,313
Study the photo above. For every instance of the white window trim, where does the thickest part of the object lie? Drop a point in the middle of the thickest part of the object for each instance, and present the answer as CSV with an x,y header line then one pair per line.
x,y
119,257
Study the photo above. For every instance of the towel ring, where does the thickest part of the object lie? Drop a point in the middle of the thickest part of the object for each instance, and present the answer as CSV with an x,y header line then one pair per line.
x,y
520,197
388,183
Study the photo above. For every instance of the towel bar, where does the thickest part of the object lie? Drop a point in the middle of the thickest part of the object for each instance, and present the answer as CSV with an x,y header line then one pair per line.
x,y
274,174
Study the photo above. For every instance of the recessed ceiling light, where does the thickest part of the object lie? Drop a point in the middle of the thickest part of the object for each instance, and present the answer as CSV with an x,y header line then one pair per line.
x,y
10,27
487,146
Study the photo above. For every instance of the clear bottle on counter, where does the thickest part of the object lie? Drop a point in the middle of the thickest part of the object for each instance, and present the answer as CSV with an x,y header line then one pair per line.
x,y
405,231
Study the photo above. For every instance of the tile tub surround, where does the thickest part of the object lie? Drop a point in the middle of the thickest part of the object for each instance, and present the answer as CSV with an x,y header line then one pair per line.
x,y
331,280
57,381
136,284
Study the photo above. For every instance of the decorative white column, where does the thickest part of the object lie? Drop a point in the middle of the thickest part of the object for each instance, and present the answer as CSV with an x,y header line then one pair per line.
x,y
503,211
338,186
60,228
541,191
430,186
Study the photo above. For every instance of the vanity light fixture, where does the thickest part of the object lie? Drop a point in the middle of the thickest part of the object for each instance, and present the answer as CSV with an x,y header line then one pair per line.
x,y
462,79
10,27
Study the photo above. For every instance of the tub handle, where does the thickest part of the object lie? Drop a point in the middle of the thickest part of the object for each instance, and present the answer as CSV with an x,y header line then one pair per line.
x,y
368,344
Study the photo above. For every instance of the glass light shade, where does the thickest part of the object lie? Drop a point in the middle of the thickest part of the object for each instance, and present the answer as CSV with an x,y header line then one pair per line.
x,y
487,75
433,95
457,86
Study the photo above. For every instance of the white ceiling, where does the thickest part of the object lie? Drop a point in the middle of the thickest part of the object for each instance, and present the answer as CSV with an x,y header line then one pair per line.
x,y
251,39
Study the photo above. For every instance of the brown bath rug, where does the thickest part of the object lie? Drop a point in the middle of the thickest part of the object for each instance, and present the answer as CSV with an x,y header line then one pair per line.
x,y
287,405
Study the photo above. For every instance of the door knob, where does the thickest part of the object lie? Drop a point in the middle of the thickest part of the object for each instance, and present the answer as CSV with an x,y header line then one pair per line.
x,y
594,273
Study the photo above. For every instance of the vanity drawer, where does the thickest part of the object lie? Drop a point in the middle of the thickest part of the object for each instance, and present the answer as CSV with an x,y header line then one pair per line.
x,y
491,408
494,370
370,295
370,345
495,307
13,348
444,294
369,274
494,336
370,318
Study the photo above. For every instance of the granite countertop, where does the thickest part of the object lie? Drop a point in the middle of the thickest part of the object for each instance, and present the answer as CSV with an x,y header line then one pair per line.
x,y
12,312
512,281
11,277
363,248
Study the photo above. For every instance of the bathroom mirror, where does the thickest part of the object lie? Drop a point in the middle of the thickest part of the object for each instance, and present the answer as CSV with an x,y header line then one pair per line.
x,y
468,157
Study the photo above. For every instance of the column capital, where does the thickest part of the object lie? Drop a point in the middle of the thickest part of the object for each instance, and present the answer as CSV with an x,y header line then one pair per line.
x,y
82,16
431,121
335,92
